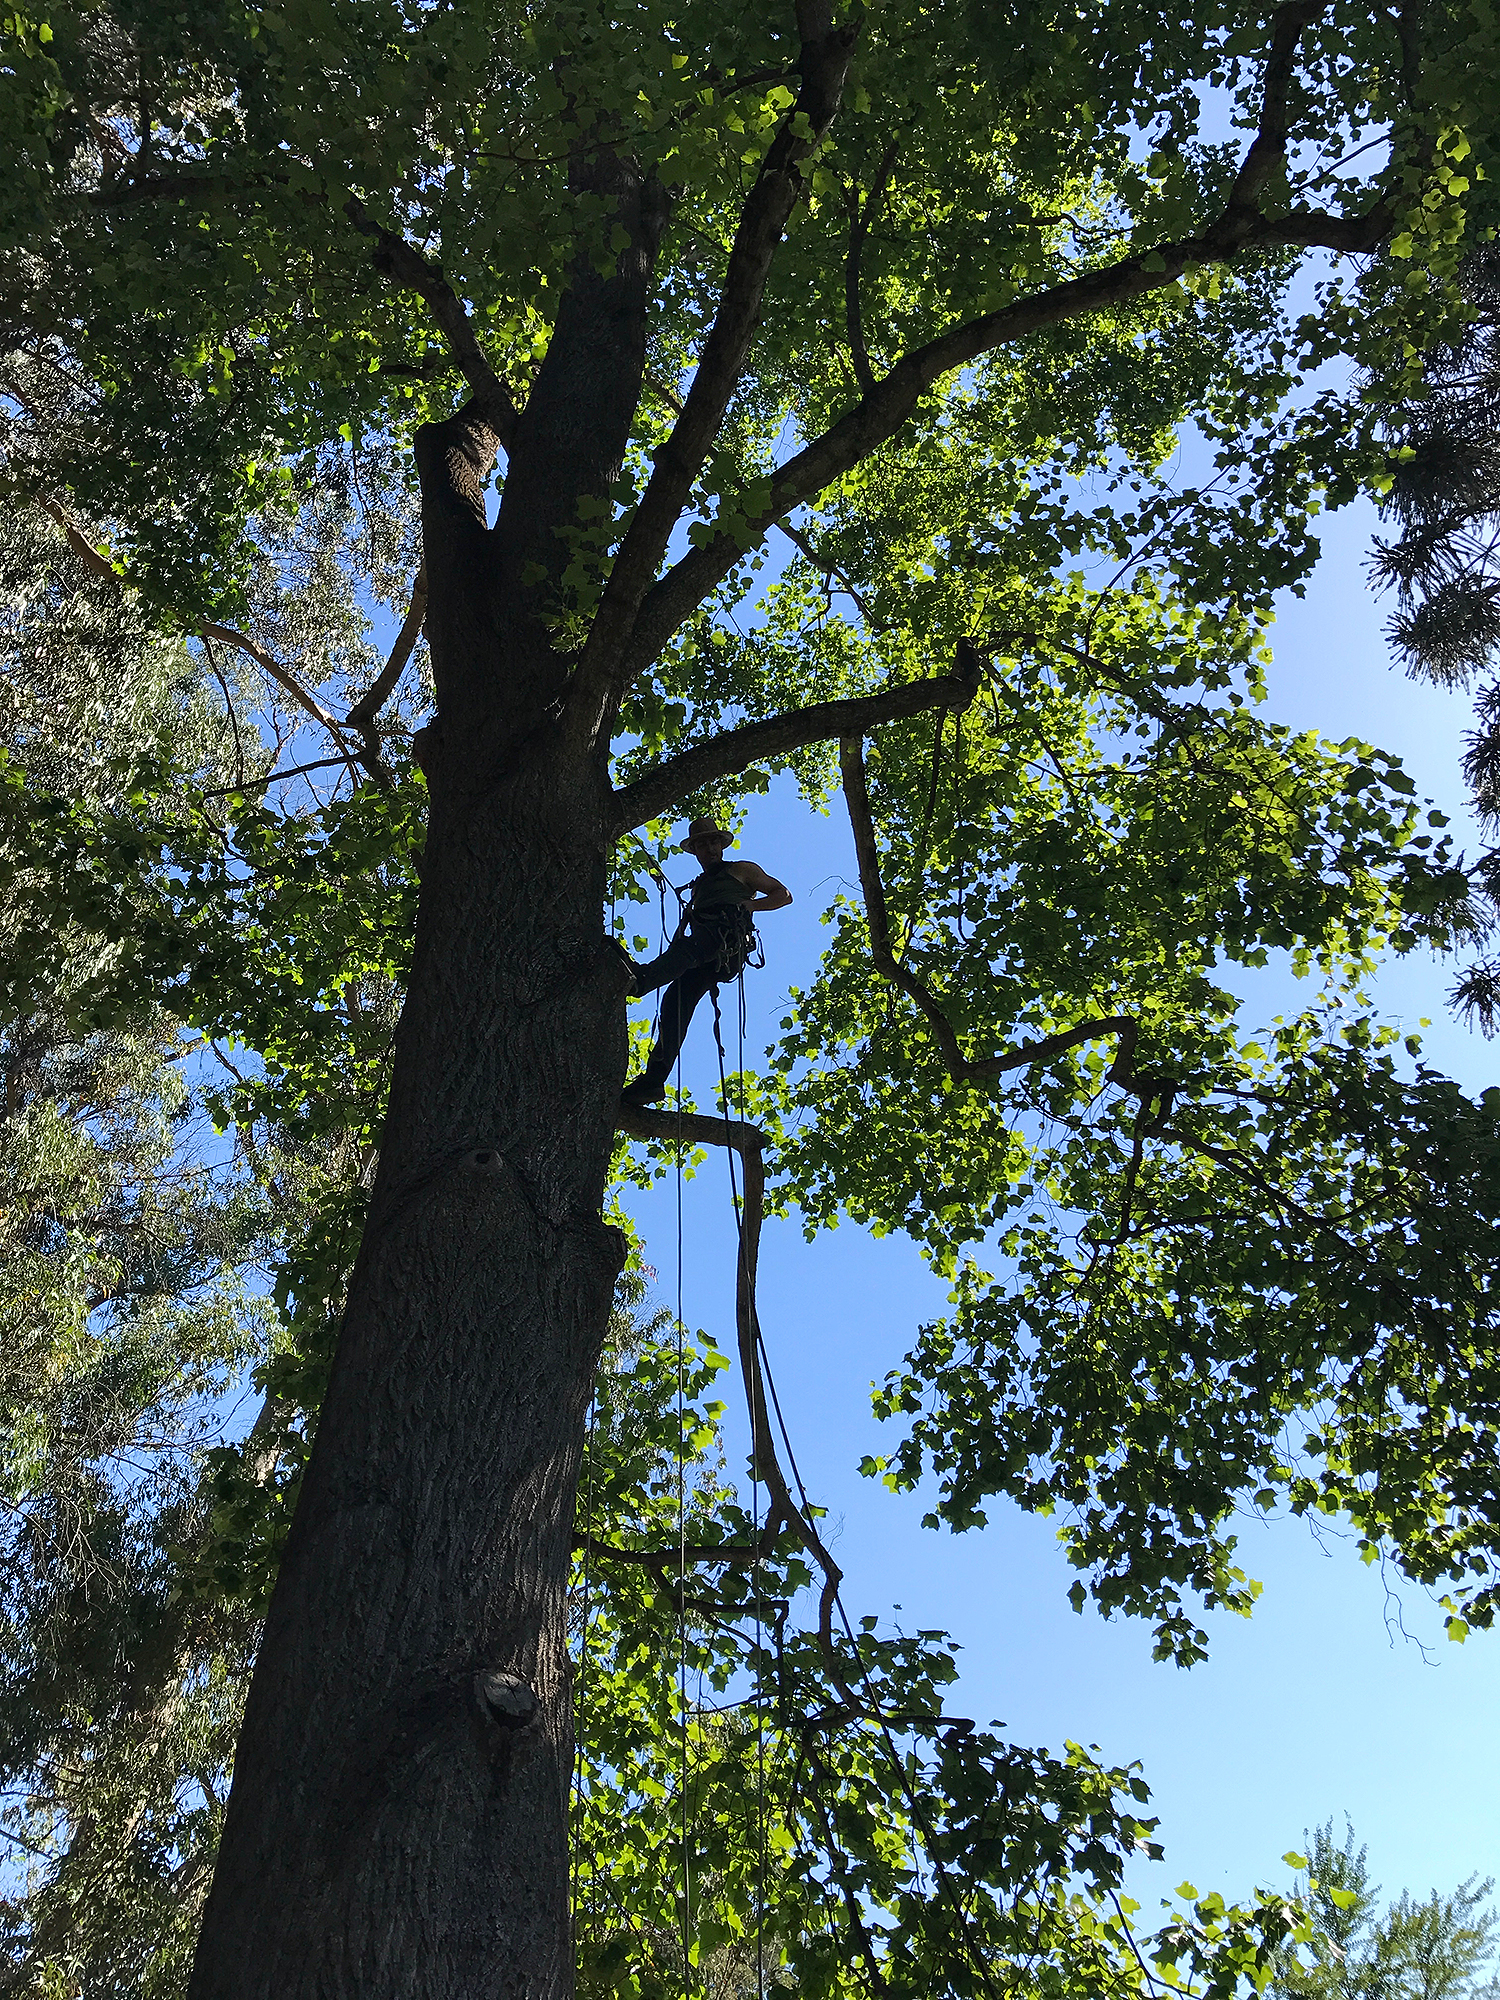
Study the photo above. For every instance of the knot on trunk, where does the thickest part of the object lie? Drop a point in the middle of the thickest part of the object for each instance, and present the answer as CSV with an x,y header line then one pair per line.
x,y
507,1700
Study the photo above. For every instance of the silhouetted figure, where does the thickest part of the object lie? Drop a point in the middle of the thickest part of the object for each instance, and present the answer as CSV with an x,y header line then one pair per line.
x,y
712,944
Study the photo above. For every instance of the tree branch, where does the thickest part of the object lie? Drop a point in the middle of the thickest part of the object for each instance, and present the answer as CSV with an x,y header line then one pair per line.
x,y
822,64
862,214
736,749
93,560
392,255
367,708
270,665
883,409
675,1128
411,270
1163,711
960,1067
234,720
735,1554
184,186
816,557
1268,148
691,1127
99,565
275,777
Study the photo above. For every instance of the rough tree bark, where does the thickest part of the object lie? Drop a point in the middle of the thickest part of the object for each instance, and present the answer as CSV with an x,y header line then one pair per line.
x,y
398,1821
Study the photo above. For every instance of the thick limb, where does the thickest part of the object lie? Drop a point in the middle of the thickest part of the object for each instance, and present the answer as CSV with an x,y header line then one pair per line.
x,y
737,749
1239,229
822,66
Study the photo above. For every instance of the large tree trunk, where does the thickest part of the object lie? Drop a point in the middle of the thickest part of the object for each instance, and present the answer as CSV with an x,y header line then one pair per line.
x,y
399,1818
398,1822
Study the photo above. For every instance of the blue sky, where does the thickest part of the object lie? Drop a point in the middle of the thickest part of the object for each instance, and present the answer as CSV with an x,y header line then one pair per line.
x,y
1341,1694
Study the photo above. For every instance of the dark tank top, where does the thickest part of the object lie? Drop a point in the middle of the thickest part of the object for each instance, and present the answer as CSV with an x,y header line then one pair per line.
x,y
717,888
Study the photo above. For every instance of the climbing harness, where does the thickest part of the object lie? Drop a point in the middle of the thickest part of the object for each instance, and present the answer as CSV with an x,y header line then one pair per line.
x,y
738,941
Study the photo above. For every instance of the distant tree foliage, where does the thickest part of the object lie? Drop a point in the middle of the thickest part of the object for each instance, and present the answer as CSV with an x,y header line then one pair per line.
x,y
1437,1949
131,1309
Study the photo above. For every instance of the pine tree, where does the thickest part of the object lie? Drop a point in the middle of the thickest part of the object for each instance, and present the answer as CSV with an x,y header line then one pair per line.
x,y
131,1312
1444,566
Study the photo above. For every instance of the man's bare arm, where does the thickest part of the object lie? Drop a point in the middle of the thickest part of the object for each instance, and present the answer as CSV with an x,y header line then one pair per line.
x,y
773,895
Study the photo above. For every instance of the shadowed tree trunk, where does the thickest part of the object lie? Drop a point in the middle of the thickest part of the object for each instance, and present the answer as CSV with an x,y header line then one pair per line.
x,y
398,1823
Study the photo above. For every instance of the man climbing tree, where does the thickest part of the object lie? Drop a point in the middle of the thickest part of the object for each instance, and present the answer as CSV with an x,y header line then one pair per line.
x,y
931,297
714,942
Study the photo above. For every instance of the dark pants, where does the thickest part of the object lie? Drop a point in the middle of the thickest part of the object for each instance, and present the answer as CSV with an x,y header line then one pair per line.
x,y
691,963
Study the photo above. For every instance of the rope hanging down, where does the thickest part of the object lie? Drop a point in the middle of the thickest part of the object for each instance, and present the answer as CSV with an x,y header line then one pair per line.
x,y
746,1139
682,1708
761,1841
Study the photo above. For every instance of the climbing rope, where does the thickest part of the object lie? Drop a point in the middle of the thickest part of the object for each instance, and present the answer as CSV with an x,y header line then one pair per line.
x,y
755,1576
762,1823
687,1887
760,1360
875,1708
958,813
898,1766
580,1698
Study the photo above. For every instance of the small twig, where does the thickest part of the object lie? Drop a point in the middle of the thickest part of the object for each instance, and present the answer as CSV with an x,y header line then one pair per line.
x,y
274,777
1139,555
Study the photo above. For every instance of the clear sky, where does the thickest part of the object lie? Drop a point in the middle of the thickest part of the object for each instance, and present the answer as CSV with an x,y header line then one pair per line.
x,y
1318,1705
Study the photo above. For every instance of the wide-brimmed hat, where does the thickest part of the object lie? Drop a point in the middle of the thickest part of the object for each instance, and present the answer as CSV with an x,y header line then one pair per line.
x,y
704,829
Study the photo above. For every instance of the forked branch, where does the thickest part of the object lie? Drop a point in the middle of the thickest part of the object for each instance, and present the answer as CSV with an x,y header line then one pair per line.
x,y
410,269
681,1127
274,670
820,560
862,212
675,1128
1239,228
364,712
822,66
1268,148
361,717
960,1067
